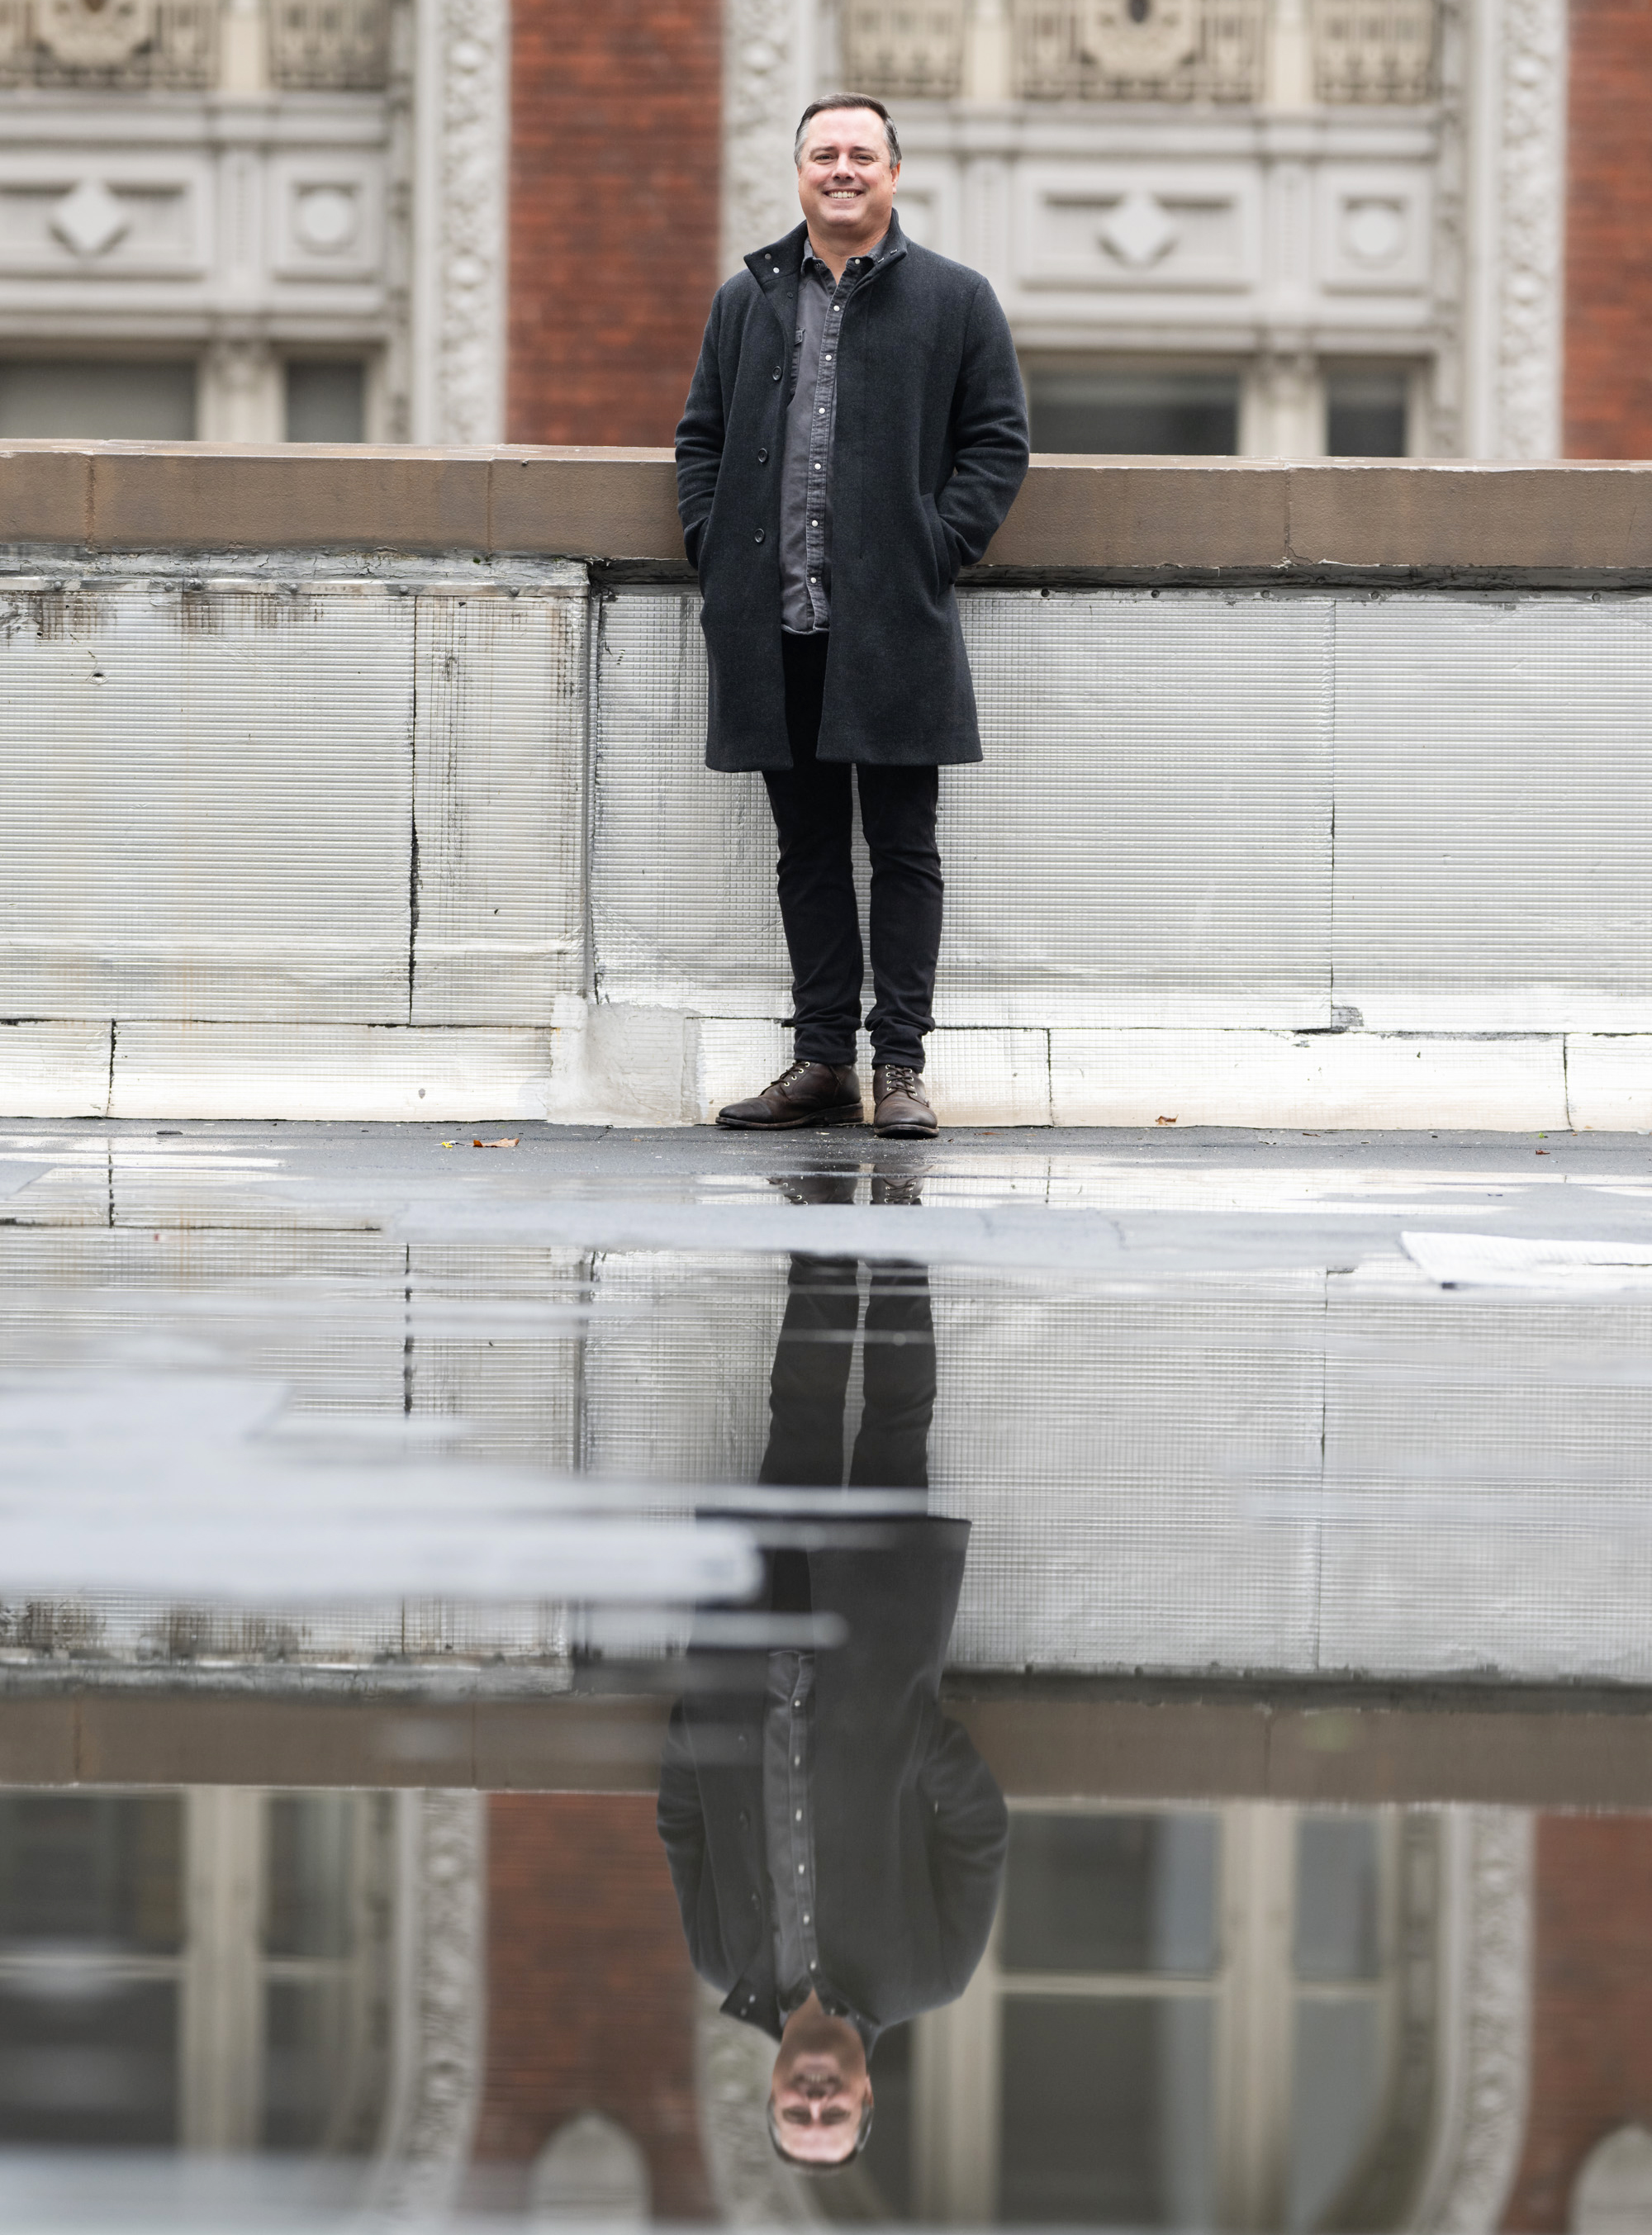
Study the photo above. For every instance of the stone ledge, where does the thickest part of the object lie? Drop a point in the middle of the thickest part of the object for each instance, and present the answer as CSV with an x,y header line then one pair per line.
x,y
1143,518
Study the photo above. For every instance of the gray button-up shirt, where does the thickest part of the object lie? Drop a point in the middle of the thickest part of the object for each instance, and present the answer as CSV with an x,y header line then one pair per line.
x,y
811,425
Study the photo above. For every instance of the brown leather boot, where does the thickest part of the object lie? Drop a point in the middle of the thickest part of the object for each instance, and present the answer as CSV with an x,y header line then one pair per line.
x,y
899,1106
804,1094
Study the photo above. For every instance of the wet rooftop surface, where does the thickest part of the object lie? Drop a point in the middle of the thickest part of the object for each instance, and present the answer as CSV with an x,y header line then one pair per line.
x,y
395,1518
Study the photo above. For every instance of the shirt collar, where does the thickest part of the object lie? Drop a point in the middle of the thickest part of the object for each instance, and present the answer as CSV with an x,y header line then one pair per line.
x,y
871,256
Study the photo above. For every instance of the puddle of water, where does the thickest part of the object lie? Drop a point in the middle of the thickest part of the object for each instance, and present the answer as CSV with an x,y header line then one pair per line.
x,y
1096,1678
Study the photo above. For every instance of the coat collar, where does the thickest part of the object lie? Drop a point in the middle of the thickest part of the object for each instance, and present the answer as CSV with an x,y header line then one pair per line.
x,y
782,259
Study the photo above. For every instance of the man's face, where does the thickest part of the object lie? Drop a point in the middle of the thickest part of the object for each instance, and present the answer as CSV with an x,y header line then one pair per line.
x,y
845,180
820,2090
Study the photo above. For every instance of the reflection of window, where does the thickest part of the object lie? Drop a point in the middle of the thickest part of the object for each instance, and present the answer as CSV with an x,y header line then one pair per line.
x,y
325,401
1189,412
96,399
1190,2018
1366,415
207,1968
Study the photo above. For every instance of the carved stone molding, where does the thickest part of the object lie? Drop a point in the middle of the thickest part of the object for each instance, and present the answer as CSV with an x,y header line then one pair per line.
x,y
760,80
460,185
1531,193
1486,2025
441,2010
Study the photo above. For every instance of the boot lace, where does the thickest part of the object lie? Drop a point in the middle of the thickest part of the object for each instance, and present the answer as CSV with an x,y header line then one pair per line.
x,y
792,1071
900,1078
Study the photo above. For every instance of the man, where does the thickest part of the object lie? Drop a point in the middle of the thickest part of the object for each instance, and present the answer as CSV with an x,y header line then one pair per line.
x,y
854,434
835,1844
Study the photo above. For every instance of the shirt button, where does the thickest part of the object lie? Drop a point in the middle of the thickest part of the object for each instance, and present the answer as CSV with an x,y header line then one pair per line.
x,y
762,457
816,469
751,1901
800,1816
758,538
805,1917
822,409
829,357
743,1820
800,1872
814,1966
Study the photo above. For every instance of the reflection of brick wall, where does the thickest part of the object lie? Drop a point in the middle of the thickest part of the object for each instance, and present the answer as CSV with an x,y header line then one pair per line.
x,y
590,1993
1609,232
616,175
1592,2017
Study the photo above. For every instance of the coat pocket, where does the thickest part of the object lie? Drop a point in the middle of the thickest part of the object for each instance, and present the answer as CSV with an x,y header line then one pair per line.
x,y
940,545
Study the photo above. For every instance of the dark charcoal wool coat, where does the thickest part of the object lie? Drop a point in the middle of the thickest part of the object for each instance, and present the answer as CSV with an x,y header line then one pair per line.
x,y
931,447
910,1828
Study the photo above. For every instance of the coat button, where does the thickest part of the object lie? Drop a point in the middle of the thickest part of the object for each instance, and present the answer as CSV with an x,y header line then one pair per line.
x,y
758,538
774,375
762,457
751,1901
743,1820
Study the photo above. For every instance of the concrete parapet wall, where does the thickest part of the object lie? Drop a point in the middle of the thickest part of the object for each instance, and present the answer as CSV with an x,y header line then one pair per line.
x,y
368,784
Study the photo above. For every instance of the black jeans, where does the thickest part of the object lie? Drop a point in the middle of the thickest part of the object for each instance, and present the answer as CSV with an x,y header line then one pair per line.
x,y
814,815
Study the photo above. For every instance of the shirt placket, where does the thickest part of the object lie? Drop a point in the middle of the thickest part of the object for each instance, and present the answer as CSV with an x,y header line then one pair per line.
x,y
799,1816
823,425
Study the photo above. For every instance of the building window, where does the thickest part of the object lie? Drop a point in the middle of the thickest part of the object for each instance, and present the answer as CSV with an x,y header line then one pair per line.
x,y
325,401
96,399
204,1970
1366,415
1191,2018
1131,413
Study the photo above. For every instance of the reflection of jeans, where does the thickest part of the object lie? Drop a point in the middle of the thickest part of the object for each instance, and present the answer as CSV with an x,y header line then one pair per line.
x,y
810,1376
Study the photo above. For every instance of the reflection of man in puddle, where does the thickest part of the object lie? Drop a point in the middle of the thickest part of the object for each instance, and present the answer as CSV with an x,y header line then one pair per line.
x,y
837,1844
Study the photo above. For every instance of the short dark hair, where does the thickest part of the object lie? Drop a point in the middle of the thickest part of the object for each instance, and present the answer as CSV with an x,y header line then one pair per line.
x,y
808,2165
848,101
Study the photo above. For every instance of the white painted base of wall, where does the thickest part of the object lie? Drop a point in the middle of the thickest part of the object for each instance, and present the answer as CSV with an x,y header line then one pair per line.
x,y
602,1064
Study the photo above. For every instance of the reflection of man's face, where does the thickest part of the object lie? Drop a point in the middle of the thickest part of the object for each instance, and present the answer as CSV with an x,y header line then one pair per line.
x,y
821,2086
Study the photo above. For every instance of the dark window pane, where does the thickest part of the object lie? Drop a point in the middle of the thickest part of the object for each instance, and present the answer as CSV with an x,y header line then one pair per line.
x,y
1366,415
1337,1922
886,2161
325,402
1135,413
306,2055
1111,1893
1106,2112
308,1909
96,399
1334,2103
89,2060
78,1867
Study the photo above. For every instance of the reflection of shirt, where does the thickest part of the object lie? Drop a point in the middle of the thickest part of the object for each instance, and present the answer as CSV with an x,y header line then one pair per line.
x,y
788,1825
811,428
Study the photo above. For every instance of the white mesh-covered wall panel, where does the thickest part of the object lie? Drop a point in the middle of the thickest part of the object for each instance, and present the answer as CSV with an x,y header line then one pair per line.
x,y
1148,841
1494,812
499,806
494,1343
205,794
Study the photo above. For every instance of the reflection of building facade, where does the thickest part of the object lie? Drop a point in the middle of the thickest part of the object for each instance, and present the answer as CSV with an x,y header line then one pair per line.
x,y
1241,2016
1300,225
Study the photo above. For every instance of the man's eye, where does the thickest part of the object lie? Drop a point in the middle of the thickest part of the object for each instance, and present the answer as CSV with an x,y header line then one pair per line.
x,y
833,2115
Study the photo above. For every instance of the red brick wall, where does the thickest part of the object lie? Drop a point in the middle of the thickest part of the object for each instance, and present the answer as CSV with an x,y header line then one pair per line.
x,y
591,1995
1609,231
1592,2019
616,169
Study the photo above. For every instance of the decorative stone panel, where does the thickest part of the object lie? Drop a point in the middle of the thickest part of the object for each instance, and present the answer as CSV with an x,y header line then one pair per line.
x,y
124,45
1141,49
330,46
1374,50
912,50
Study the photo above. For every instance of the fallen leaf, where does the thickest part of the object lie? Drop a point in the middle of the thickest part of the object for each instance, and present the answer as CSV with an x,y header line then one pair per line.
x,y
1540,1153
1164,1121
510,1144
